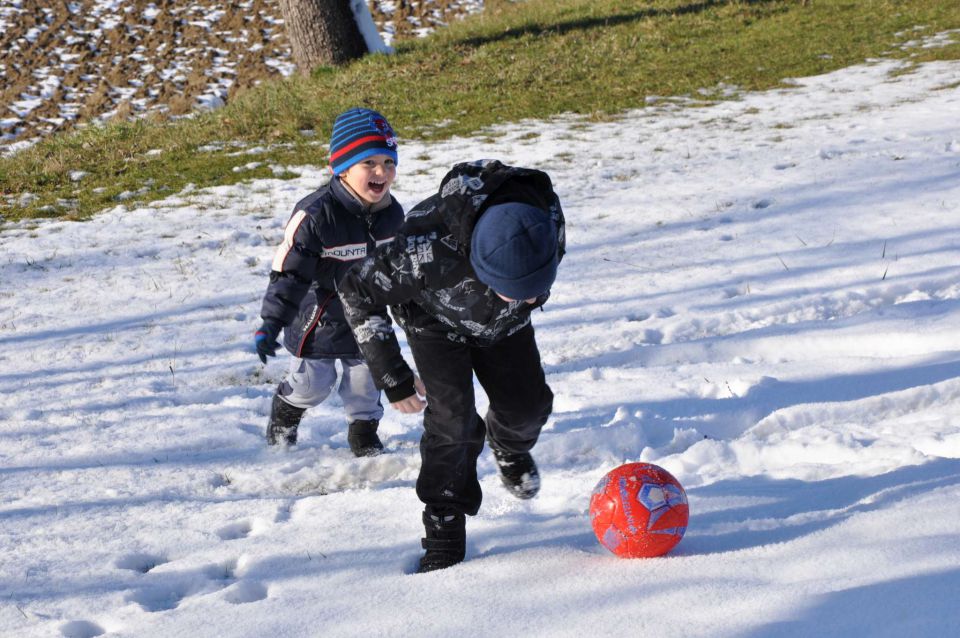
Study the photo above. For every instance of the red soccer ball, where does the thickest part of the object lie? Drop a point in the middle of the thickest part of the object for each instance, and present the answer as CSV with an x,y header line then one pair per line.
x,y
639,510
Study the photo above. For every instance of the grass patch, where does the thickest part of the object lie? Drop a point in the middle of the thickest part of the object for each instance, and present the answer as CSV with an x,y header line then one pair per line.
x,y
526,60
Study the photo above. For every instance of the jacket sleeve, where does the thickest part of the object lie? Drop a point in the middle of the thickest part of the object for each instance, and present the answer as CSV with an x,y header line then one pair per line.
x,y
291,273
389,276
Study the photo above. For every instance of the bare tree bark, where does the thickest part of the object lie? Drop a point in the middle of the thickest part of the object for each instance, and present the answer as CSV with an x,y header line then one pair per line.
x,y
322,32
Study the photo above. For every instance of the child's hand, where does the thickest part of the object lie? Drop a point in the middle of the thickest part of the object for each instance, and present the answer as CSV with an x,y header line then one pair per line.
x,y
265,340
413,403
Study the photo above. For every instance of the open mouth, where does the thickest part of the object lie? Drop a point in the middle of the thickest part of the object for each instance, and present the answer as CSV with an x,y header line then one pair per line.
x,y
377,187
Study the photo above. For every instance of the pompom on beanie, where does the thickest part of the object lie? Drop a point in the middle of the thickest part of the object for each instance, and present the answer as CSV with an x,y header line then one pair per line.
x,y
358,134
514,250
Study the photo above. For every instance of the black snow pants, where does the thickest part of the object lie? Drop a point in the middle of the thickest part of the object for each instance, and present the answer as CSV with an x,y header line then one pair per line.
x,y
511,374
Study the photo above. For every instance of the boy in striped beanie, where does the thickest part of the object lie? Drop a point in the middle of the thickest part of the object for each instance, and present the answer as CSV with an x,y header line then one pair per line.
x,y
329,230
358,134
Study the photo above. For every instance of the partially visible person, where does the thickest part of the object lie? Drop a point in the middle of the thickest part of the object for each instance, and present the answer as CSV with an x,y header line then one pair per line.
x,y
329,230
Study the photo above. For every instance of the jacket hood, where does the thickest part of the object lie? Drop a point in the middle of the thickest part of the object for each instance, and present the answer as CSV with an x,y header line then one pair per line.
x,y
471,187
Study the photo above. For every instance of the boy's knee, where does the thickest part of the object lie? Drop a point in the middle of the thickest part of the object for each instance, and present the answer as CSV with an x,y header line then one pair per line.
x,y
308,392
532,412
540,410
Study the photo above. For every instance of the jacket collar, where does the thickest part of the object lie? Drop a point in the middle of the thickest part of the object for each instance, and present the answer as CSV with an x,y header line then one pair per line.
x,y
352,202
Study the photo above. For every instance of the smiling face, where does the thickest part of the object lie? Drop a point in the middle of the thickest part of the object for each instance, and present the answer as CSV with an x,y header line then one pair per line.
x,y
371,177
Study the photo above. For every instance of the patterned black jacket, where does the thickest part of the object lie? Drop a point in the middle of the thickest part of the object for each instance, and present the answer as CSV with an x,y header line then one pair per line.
x,y
328,232
424,274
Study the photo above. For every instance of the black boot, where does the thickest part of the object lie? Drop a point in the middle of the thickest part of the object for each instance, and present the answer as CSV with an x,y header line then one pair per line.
x,y
363,439
518,471
284,419
445,542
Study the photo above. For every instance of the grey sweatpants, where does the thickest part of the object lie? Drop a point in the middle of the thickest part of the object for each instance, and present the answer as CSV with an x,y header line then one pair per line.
x,y
310,381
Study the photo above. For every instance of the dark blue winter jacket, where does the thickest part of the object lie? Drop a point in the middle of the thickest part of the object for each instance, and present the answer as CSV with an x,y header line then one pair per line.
x,y
328,231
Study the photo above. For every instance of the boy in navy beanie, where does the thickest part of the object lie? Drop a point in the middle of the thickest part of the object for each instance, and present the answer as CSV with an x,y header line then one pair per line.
x,y
514,251
329,230
465,271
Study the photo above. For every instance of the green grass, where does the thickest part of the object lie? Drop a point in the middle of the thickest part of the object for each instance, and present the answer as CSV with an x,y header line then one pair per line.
x,y
526,60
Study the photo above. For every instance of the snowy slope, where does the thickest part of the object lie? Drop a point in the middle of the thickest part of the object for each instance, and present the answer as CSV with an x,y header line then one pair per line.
x,y
762,296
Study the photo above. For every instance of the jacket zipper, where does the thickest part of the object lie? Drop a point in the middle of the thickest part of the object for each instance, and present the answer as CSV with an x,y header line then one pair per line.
x,y
313,324
371,245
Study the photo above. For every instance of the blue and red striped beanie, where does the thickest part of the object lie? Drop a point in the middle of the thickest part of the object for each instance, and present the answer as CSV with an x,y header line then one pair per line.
x,y
358,134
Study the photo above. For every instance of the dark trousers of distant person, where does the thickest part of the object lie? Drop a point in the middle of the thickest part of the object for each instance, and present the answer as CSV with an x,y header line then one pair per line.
x,y
511,374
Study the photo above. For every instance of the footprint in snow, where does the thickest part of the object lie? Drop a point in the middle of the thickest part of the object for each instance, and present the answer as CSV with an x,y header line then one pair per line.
x,y
219,480
227,570
81,629
175,587
249,591
235,531
730,293
652,337
159,598
284,512
140,562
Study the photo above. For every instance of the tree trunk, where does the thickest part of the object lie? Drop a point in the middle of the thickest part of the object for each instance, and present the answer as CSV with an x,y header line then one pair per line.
x,y
321,32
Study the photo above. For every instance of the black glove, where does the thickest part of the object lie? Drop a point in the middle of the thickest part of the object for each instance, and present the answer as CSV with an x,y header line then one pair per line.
x,y
265,339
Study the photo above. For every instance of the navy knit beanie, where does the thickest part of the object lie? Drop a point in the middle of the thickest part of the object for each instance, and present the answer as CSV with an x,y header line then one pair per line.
x,y
358,134
514,250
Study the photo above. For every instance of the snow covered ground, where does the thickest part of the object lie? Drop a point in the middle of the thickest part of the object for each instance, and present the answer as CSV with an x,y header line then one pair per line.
x,y
762,296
